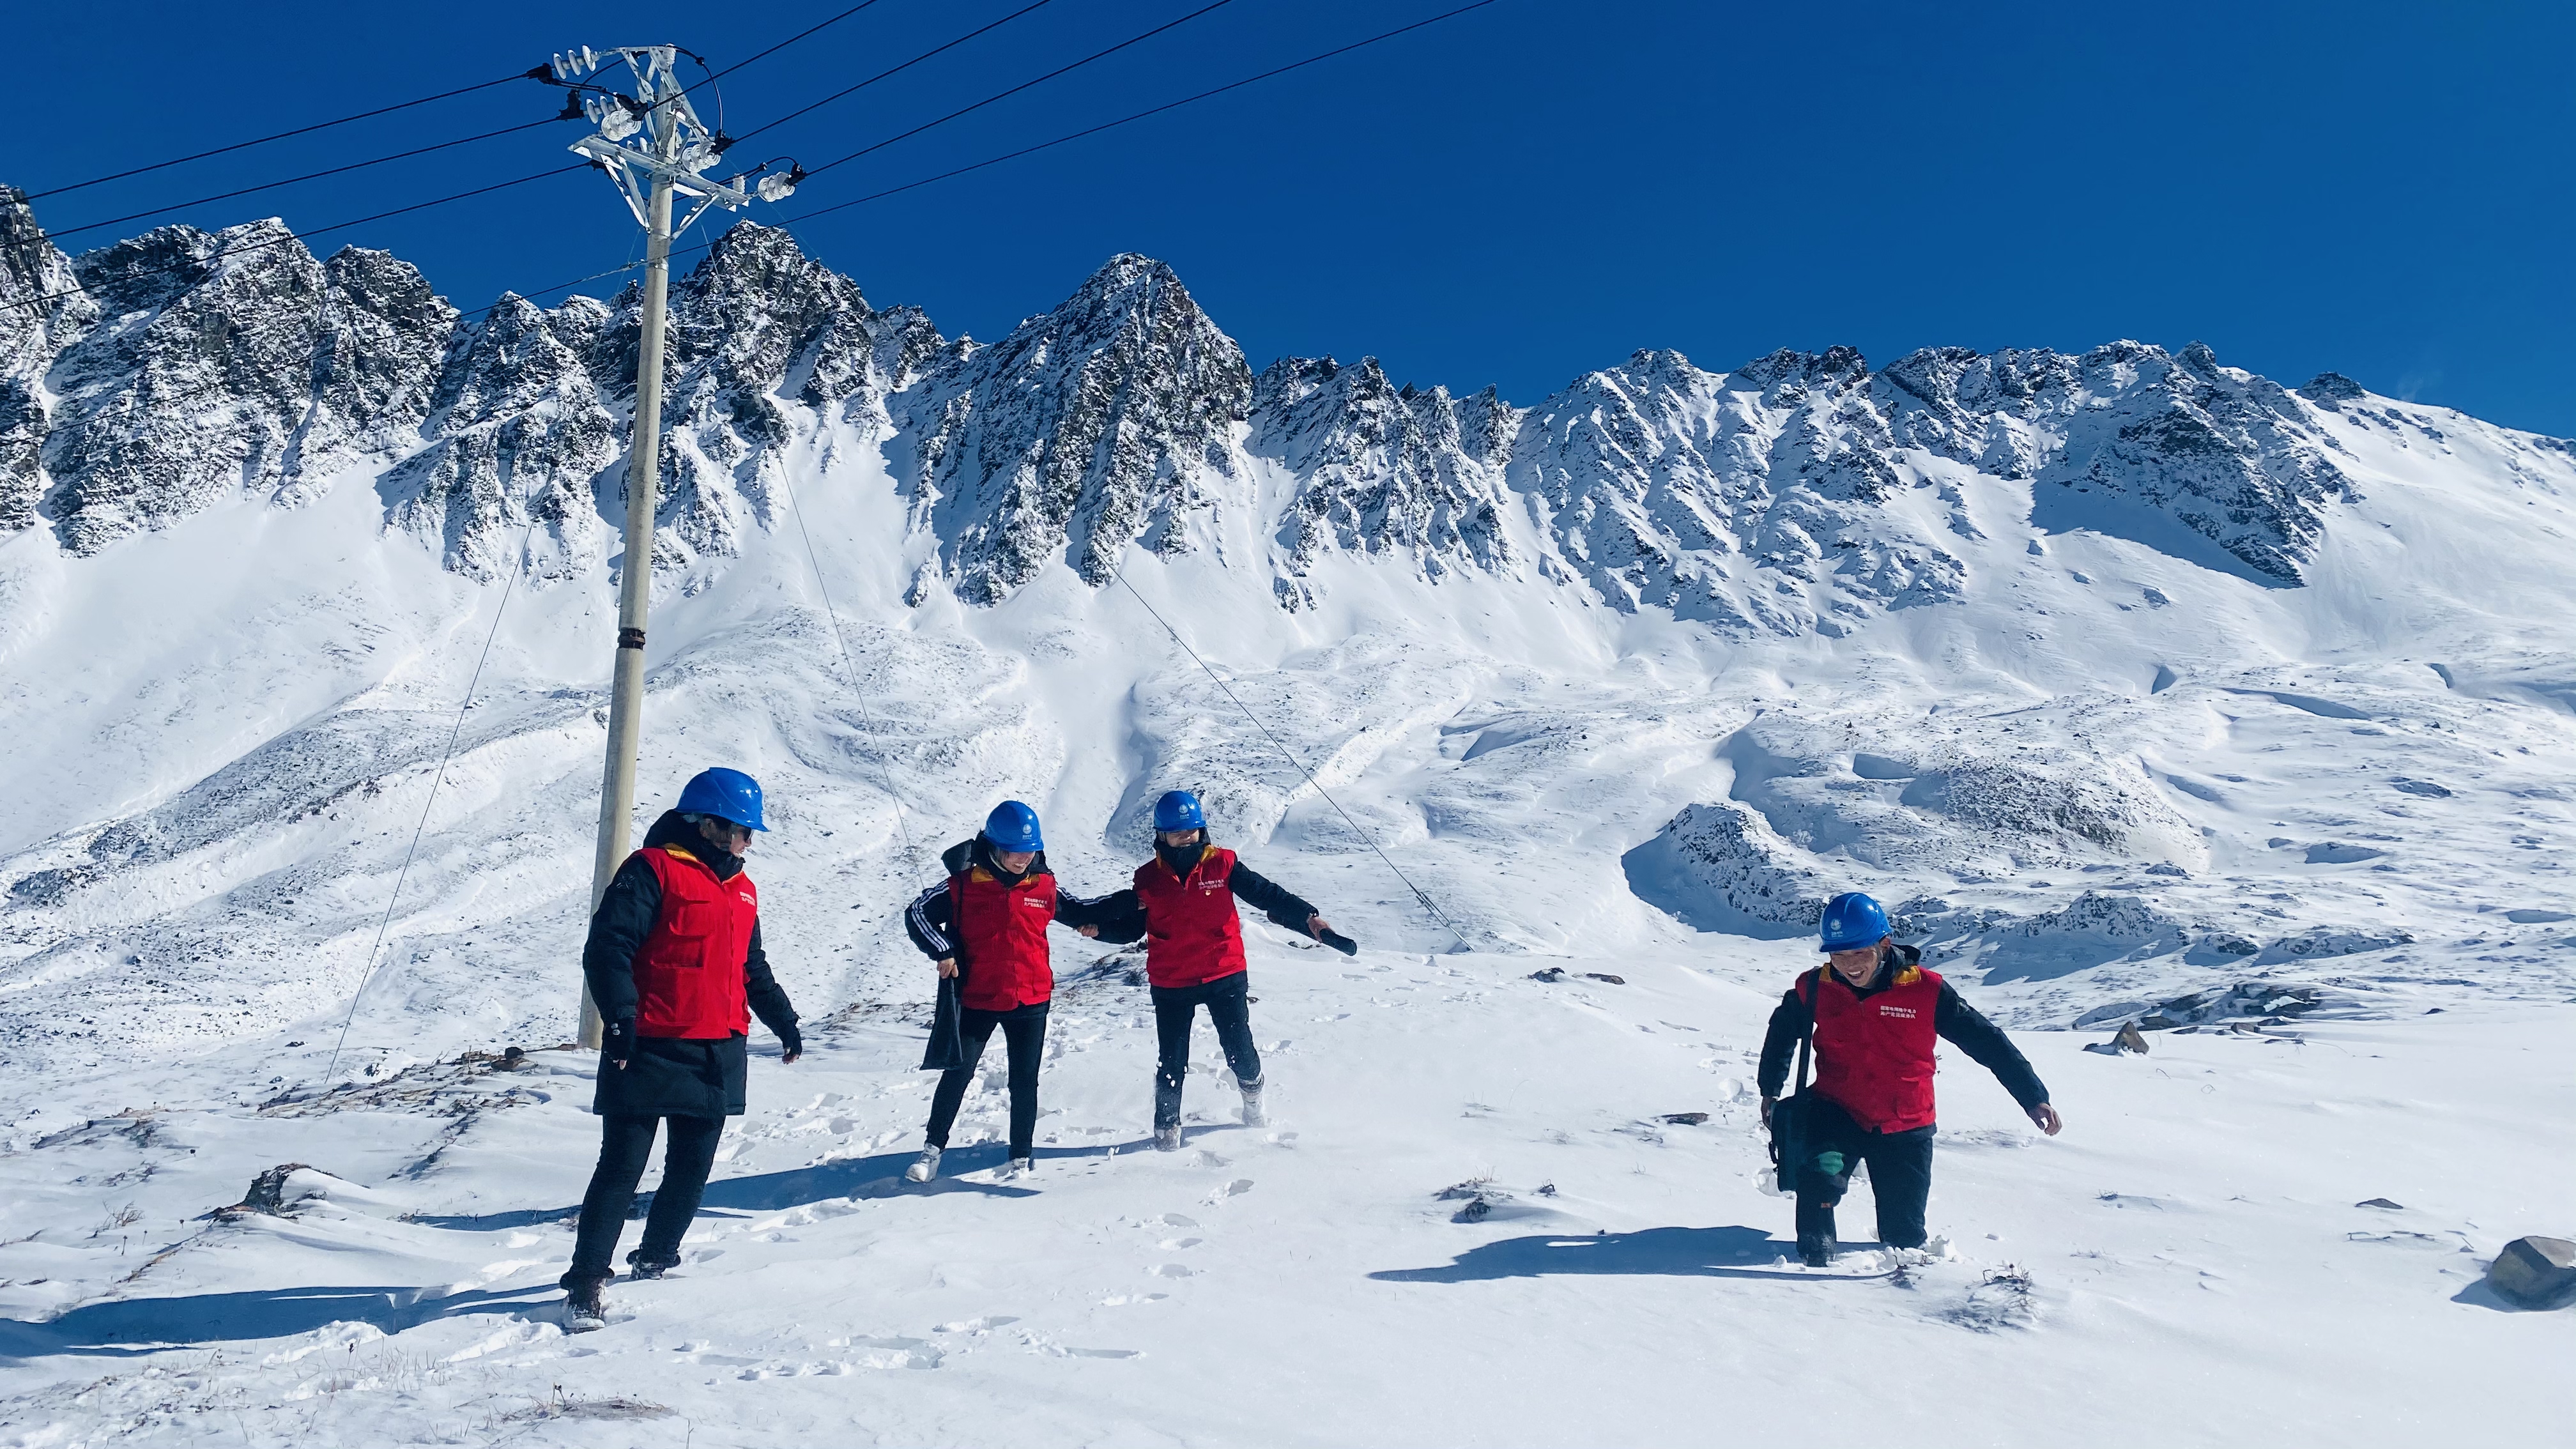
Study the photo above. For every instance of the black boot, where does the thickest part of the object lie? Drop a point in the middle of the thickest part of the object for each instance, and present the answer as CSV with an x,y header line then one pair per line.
x,y
1816,1236
640,1267
584,1307
1167,1113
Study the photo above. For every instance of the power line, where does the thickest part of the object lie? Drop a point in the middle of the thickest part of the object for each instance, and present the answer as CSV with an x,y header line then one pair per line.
x,y
310,176
454,732
306,236
885,776
881,75
537,74
791,40
1141,115
1024,85
1290,756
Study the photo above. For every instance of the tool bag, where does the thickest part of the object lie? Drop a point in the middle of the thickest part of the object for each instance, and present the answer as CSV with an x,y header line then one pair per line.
x,y
947,1048
1787,1144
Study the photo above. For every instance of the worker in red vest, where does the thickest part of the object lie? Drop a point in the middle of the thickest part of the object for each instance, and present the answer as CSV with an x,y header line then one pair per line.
x,y
986,925
675,966
1183,903
1875,1014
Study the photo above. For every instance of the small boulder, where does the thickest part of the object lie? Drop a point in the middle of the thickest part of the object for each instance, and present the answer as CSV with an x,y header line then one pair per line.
x,y
2535,1272
2382,1204
1606,976
267,1191
1551,974
2131,1039
1685,1119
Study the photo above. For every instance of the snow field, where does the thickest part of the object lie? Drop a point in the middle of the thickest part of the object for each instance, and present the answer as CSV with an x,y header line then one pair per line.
x,y
1307,1283
2361,780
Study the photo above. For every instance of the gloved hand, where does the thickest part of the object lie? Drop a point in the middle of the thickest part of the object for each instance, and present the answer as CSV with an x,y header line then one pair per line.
x,y
792,1045
617,1043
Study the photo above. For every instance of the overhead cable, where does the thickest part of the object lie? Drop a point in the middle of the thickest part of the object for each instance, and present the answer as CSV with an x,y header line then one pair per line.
x,y
1024,85
305,236
1290,756
858,692
881,75
538,74
791,40
312,176
454,733
1141,115
1118,578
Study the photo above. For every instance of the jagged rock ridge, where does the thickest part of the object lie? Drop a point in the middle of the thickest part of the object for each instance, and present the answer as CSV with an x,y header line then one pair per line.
x,y
183,368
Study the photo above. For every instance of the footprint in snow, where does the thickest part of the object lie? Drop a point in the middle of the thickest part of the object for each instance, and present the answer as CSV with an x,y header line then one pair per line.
x,y
1170,1270
1175,1245
1236,1188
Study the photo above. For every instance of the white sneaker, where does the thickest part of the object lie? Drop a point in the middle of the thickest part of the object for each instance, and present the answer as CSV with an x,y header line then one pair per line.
x,y
1021,1167
1168,1139
925,1167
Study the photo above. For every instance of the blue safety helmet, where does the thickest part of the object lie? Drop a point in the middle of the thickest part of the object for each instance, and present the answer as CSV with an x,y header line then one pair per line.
x,y
724,794
1853,920
1013,826
1179,810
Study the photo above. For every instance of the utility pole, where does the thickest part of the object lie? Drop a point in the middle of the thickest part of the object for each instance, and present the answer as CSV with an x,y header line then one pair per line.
x,y
654,147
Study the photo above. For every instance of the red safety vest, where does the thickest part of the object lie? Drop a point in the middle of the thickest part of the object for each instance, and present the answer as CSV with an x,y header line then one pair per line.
x,y
1002,931
1874,1053
1192,934
689,973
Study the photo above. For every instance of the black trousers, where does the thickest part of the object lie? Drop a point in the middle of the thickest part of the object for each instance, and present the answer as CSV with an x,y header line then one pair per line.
x,y
1830,1145
1024,1032
624,1144
1229,1009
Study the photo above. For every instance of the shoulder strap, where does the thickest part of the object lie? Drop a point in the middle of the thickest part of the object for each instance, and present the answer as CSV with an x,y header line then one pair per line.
x,y
1807,1038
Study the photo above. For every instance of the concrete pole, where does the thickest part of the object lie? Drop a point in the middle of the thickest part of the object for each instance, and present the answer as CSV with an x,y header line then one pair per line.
x,y
635,584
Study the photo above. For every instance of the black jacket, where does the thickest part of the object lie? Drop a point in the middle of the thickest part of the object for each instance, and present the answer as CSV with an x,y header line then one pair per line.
x,y
667,1076
1122,916
931,921
1959,1024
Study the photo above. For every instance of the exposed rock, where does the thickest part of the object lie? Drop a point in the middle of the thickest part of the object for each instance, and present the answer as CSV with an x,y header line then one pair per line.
x,y
2535,1272
1105,422
1721,866
1382,469
182,368
268,1191
2320,944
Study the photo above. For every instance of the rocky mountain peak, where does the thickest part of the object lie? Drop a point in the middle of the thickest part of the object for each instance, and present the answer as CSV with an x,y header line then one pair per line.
x,y
1758,499
1106,421
1381,469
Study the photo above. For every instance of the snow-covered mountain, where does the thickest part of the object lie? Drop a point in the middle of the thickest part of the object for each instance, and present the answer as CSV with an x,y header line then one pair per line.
x,y
1828,543
2121,675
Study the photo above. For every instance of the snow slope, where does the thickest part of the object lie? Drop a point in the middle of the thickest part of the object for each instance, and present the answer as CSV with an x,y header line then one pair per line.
x,y
2127,675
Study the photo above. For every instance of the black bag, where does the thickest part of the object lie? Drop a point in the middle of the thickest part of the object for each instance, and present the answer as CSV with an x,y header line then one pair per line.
x,y
947,1049
1787,1145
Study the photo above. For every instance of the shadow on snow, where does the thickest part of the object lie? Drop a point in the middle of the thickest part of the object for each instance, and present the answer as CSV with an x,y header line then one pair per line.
x,y
864,1178
1730,1252
129,1326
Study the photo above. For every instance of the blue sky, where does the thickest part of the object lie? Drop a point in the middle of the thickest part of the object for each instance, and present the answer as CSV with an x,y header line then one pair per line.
x,y
1511,197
